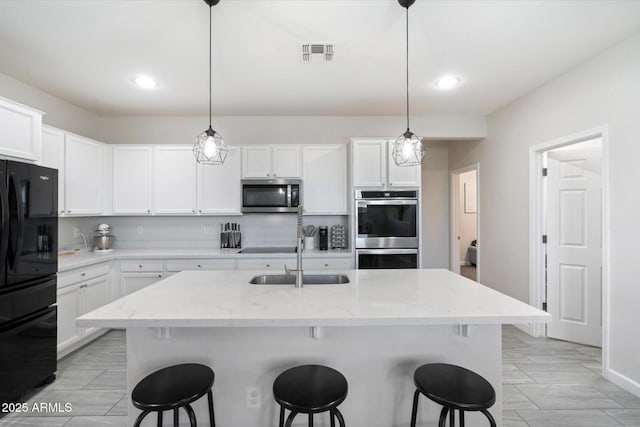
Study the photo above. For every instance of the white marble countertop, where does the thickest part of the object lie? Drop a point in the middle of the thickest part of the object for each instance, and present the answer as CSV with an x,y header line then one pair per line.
x,y
373,297
84,258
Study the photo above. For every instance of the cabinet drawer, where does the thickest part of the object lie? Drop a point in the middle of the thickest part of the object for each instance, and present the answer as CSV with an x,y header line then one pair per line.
x,y
144,266
266,264
203,264
81,274
327,264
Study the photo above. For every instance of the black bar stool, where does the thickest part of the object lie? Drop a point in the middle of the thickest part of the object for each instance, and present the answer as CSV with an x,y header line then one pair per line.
x,y
310,389
173,388
453,387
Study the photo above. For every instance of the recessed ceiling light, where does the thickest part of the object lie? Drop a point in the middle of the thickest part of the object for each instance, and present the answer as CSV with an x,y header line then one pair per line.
x,y
146,82
447,82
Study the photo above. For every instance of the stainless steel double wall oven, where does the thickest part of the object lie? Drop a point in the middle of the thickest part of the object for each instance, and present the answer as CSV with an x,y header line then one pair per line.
x,y
387,229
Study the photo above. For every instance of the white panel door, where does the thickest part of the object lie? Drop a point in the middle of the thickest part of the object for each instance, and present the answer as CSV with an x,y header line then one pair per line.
x,y
574,244
401,176
325,179
20,131
219,186
68,302
286,161
132,178
256,161
369,163
53,157
83,176
96,294
174,180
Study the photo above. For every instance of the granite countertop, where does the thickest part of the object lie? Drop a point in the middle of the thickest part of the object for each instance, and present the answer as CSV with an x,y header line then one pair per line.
x,y
373,297
84,258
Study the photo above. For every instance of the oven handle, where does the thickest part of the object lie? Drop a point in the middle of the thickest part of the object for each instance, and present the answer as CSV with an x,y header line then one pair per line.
x,y
386,251
387,202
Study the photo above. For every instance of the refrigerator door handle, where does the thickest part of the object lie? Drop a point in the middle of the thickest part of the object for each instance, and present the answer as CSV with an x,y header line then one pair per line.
x,y
4,222
17,249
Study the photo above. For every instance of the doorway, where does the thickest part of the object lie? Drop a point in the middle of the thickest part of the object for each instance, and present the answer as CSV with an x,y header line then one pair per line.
x,y
464,222
569,238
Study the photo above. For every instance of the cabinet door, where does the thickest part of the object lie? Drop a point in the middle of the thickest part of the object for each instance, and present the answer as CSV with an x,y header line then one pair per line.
x,y
256,162
219,185
95,295
286,161
369,159
325,179
132,179
20,131
53,157
132,282
68,302
174,180
83,176
402,176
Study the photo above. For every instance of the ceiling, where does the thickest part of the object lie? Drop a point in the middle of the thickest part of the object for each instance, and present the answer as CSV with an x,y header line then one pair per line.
x,y
88,52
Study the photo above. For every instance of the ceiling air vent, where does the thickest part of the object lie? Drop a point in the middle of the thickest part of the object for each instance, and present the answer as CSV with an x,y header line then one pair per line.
x,y
317,52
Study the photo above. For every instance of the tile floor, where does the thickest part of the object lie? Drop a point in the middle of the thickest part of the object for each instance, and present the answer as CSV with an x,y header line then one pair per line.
x,y
546,383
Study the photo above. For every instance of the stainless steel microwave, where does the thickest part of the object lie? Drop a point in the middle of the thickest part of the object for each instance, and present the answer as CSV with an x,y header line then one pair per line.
x,y
271,195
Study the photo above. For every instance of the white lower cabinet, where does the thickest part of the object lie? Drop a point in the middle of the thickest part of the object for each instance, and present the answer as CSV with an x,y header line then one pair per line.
x,y
266,264
178,265
80,291
136,275
327,264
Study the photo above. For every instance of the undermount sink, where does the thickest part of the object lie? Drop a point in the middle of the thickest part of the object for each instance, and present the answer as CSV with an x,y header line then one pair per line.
x,y
308,279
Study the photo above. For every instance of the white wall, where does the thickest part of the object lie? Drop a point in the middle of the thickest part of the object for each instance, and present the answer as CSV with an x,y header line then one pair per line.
x,y
435,206
602,91
245,130
467,222
59,113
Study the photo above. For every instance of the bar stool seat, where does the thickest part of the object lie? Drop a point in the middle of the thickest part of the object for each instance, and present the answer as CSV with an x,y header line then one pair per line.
x,y
173,388
455,388
310,389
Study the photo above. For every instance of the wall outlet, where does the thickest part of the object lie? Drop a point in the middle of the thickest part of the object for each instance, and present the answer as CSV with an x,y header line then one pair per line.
x,y
206,229
140,230
254,397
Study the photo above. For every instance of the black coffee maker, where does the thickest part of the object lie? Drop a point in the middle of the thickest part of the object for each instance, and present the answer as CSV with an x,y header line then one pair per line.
x,y
324,237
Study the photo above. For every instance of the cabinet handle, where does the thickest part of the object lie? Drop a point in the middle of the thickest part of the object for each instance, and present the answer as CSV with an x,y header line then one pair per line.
x,y
140,266
83,274
268,265
274,174
160,276
148,210
193,211
68,211
268,174
326,265
200,210
199,266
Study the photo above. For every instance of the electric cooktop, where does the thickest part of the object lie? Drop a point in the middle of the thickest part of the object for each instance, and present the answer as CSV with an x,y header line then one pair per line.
x,y
269,250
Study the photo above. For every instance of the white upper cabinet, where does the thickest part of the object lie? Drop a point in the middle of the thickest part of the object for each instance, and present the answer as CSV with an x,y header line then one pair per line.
x,y
132,179
373,166
83,176
20,131
401,176
174,180
369,161
53,157
324,179
219,185
272,161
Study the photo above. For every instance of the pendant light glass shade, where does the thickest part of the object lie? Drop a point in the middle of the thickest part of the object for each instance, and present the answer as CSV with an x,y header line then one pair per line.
x,y
407,150
209,147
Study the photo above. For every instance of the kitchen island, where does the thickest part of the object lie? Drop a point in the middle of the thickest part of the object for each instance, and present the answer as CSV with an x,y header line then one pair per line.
x,y
376,330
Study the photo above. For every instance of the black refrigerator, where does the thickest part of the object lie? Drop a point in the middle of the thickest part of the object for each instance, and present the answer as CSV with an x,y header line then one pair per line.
x,y
28,266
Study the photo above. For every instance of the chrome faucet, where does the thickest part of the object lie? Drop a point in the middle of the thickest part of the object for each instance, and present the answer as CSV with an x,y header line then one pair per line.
x,y
299,243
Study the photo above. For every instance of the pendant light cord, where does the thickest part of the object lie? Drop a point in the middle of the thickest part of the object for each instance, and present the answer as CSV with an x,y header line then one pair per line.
x,y
407,63
210,109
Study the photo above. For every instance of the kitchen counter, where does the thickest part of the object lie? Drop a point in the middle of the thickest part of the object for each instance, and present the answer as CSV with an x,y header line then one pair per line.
x,y
373,297
84,258
376,330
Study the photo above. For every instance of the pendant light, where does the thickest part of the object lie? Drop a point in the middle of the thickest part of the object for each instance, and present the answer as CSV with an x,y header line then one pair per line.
x,y
407,149
209,147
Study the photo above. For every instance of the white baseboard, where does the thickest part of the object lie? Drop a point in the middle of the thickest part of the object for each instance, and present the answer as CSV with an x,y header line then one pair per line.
x,y
84,341
623,381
